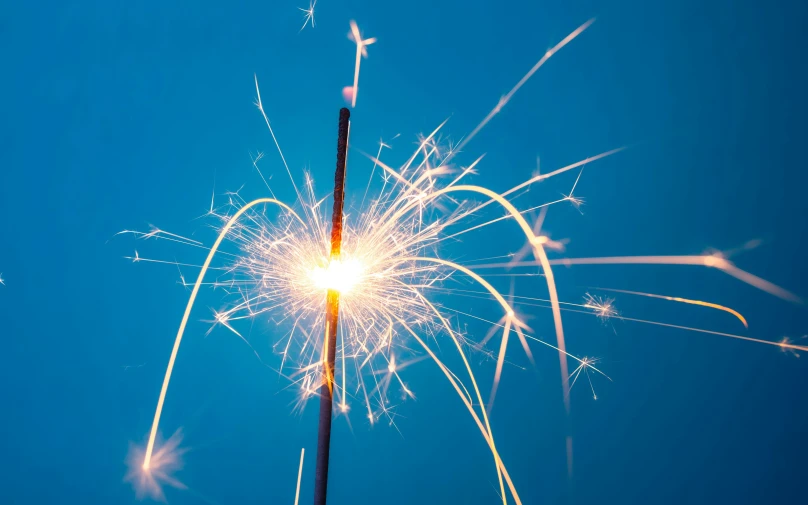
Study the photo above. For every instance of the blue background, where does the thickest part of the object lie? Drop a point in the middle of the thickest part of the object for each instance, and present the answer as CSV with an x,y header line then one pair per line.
x,y
120,114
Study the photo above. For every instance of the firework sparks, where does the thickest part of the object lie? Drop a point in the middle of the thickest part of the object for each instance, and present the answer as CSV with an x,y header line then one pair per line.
x,y
274,260
309,13
361,52
603,307
705,260
683,300
505,99
586,364
787,346
165,461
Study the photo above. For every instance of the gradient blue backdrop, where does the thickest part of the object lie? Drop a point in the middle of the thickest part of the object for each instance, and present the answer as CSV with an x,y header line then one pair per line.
x,y
120,114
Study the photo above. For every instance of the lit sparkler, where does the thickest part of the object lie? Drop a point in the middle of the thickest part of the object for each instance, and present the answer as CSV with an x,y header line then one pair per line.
x,y
336,278
276,260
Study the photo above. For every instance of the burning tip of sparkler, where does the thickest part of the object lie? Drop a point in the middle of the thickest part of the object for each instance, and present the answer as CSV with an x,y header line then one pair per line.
x,y
338,275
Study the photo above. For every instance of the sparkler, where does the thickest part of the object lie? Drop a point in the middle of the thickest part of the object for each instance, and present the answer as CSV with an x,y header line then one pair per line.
x,y
332,317
378,270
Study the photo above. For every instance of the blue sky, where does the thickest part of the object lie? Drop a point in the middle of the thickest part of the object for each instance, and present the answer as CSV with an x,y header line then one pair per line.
x,y
119,115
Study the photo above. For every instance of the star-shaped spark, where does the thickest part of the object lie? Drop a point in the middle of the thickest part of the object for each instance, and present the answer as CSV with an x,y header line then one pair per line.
x,y
309,14
586,365
222,318
576,201
787,346
602,307
149,481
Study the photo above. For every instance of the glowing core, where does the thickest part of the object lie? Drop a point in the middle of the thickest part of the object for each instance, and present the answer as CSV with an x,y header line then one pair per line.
x,y
339,275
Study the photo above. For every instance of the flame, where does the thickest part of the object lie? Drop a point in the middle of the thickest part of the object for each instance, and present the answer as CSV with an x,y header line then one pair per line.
x,y
338,275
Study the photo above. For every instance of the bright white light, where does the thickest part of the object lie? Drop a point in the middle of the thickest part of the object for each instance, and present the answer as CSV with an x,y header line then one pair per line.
x,y
339,275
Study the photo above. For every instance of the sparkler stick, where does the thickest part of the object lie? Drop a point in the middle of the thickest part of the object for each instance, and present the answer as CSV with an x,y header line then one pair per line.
x,y
332,318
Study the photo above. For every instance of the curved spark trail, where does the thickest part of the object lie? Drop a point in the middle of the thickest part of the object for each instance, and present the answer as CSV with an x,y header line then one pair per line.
x,y
681,300
178,339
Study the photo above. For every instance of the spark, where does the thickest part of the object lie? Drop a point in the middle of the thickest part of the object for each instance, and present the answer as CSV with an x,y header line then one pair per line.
x,y
787,346
309,14
361,51
180,332
707,260
299,474
2,281
507,98
682,300
585,365
223,318
603,307
382,145
260,105
576,201
148,480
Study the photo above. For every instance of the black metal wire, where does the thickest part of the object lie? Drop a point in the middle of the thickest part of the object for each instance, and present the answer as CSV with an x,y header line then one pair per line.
x,y
331,320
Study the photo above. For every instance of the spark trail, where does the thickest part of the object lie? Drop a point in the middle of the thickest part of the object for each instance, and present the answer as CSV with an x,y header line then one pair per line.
x,y
361,51
682,300
309,12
